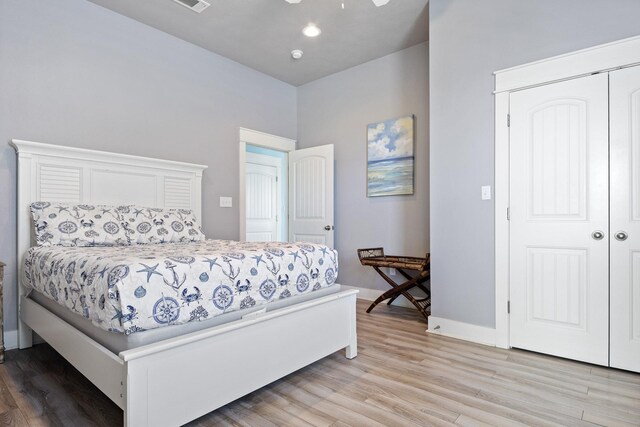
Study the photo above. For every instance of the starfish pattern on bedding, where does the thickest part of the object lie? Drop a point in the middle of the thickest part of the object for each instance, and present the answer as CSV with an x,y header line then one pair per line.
x,y
149,270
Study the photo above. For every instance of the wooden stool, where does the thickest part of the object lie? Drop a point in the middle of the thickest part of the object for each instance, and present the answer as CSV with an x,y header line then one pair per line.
x,y
375,257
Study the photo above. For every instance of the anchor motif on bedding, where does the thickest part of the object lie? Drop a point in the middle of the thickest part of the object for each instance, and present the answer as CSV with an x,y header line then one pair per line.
x,y
127,229
273,268
306,261
232,274
115,213
76,214
148,215
177,283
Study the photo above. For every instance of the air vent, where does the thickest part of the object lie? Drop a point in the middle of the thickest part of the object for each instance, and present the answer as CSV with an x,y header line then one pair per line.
x,y
195,5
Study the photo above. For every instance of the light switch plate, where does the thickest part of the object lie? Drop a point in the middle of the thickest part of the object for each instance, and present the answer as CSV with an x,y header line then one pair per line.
x,y
226,202
486,192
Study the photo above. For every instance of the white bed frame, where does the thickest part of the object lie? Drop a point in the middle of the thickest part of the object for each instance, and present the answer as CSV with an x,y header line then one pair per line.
x,y
177,380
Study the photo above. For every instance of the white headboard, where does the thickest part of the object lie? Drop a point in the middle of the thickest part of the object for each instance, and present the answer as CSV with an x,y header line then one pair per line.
x,y
64,174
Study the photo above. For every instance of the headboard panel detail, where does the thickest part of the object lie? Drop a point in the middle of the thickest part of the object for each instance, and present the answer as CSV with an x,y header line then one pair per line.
x,y
59,183
176,194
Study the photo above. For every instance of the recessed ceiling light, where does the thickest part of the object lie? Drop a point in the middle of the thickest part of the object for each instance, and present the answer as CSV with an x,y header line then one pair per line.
x,y
311,31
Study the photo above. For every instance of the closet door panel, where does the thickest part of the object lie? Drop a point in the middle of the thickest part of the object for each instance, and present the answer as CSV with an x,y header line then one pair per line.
x,y
558,198
625,218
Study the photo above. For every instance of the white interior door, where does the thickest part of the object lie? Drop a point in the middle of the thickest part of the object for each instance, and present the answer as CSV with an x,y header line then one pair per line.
x,y
559,276
311,195
625,218
262,198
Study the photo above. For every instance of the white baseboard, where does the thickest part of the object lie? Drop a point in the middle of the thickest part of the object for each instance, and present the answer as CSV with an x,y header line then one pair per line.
x,y
446,327
373,294
463,331
11,339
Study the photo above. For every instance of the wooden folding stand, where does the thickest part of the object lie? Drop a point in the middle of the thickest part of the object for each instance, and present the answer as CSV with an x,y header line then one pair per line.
x,y
376,258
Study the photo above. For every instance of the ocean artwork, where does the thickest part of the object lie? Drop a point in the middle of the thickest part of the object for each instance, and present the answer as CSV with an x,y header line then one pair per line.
x,y
390,157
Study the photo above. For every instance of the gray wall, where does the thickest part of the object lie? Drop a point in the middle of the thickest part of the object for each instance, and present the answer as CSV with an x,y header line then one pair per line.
x,y
76,74
469,39
336,110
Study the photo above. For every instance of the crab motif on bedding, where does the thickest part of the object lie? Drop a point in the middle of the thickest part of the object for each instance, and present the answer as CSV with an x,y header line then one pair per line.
x,y
188,298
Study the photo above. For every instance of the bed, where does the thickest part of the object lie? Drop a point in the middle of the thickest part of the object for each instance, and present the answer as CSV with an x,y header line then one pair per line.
x,y
278,321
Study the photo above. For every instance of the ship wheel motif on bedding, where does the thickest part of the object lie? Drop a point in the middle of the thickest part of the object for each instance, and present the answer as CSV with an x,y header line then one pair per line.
x,y
166,310
222,297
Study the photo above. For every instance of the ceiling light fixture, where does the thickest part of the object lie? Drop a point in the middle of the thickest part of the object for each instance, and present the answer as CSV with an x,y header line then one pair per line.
x,y
311,31
195,5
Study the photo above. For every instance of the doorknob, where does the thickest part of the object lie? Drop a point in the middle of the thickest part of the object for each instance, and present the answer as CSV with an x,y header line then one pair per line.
x,y
621,235
328,227
597,235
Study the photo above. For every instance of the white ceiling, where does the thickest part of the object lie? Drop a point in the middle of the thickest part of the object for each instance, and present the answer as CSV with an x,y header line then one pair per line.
x,y
262,33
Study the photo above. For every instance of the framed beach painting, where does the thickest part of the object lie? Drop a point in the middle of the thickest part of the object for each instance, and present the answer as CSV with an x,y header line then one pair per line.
x,y
390,158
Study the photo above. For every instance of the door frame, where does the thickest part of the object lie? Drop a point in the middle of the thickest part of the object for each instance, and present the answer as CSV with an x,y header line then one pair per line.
x,y
259,139
607,57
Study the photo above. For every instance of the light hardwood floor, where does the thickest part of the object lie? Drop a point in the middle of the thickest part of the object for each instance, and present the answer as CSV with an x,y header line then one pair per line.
x,y
402,376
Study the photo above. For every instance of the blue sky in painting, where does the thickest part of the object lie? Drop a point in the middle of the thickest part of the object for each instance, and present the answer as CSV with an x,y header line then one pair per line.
x,y
390,139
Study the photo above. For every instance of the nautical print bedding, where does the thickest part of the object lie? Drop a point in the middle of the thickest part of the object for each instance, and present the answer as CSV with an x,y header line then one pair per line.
x,y
128,289
68,224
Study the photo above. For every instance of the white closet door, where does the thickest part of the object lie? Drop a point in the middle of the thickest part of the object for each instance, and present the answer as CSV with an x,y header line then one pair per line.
x,y
559,278
625,218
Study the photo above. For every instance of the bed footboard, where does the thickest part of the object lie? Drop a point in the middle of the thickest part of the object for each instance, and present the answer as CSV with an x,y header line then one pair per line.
x,y
174,382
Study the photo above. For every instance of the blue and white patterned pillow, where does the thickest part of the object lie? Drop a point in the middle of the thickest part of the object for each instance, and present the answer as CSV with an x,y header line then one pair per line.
x,y
79,225
152,225
98,225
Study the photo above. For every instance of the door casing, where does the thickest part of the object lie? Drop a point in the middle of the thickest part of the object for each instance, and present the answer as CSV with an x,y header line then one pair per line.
x,y
260,139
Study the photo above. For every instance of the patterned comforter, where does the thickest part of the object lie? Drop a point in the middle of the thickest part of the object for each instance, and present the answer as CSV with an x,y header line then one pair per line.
x,y
127,289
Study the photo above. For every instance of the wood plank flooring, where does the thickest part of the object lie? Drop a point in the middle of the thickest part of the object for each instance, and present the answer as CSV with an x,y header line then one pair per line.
x,y
401,377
